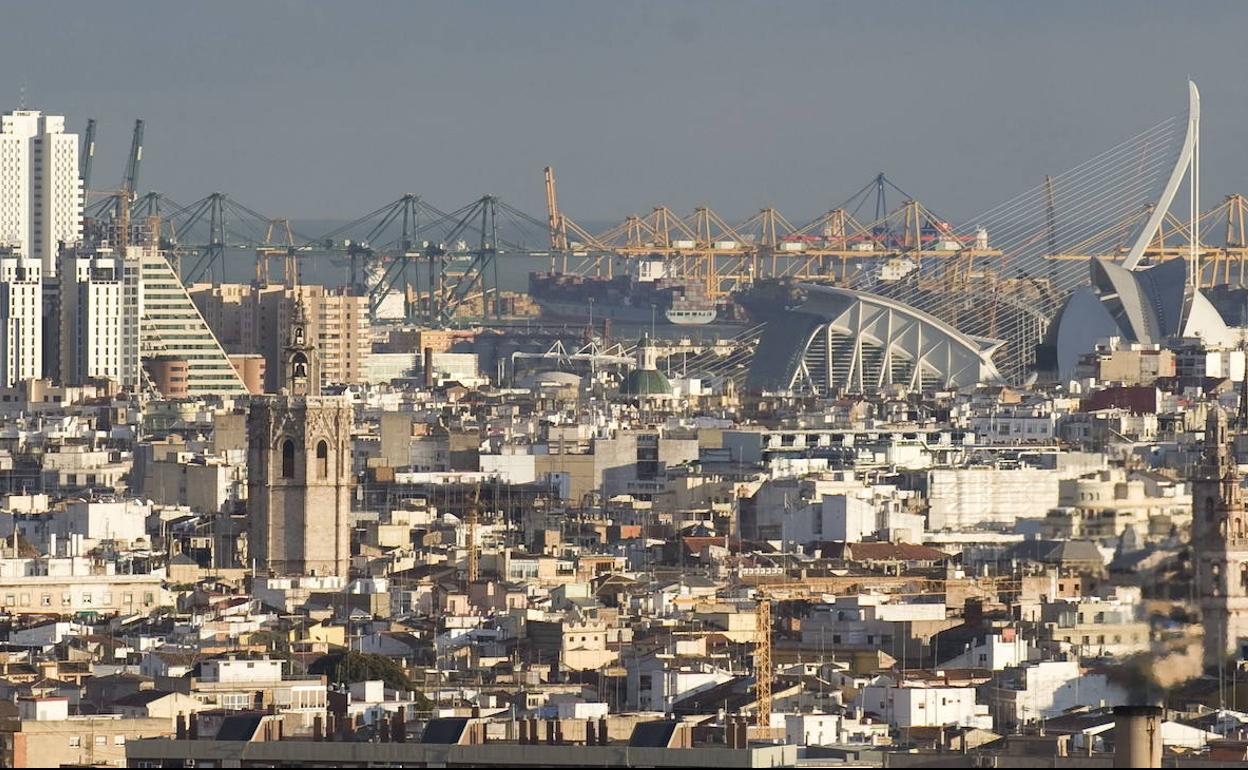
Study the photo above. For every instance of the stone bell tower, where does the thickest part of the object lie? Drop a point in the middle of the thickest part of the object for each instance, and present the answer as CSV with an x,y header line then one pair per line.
x,y
301,364
299,468
1220,546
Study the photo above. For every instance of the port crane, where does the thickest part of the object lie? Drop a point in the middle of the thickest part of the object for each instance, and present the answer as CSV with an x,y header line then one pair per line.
x,y
706,250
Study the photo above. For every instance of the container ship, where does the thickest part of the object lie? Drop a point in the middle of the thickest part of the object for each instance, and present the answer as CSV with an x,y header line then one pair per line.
x,y
644,296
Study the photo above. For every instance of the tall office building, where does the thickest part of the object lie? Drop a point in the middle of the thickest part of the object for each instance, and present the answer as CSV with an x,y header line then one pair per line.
x,y
21,322
41,196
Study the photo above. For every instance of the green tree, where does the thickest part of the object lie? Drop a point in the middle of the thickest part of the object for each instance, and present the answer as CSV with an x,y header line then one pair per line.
x,y
348,667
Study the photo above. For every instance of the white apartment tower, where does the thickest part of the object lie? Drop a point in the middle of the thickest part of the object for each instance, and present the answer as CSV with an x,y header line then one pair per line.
x,y
41,195
21,309
99,322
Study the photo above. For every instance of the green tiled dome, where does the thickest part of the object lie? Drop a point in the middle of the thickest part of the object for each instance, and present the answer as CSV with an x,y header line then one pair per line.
x,y
646,382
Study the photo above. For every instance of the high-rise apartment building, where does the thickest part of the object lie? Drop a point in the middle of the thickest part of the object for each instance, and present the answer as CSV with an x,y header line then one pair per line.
x,y
99,322
21,322
41,196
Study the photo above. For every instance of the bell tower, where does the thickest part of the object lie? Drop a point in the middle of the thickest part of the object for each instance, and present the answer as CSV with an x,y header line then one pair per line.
x,y
299,468
301,366
1220,545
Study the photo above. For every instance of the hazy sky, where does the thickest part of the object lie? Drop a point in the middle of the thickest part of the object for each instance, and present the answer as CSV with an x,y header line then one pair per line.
x,y
306,109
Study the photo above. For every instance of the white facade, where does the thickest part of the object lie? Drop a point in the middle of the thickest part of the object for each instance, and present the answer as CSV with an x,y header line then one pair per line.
x,y
969,497
21,314
1046,689
904,706
171,325
41,195
841,339
100,301
812,729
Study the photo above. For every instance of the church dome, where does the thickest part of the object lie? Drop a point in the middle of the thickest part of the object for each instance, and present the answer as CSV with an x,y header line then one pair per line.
x,y
646,382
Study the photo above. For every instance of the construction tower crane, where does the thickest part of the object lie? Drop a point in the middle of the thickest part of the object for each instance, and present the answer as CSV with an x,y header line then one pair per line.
x,y
762,658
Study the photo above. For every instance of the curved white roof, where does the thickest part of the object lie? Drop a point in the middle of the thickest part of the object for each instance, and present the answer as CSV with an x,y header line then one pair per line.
x,y
841,339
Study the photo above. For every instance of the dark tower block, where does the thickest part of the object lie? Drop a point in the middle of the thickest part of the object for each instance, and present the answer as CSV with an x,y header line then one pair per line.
x,y
299,470
1220,543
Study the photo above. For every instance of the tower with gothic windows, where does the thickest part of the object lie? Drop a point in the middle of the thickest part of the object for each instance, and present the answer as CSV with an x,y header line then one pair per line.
x,y
1220,546
299,469
301,365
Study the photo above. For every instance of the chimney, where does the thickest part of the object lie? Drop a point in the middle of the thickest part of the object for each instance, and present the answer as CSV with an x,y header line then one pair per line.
x,y
524,731
550,732
559,731
398,727
318,728
1137,736
192,731
603,740
428,367
180,729
591,738
973,611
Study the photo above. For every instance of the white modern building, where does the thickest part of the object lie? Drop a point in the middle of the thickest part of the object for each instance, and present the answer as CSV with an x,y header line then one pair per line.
x,y
172,326
99,321
922,705
21,317
117,311
846,340
41,195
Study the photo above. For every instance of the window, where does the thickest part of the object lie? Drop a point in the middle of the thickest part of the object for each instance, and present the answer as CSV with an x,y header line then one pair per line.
x,y
322,460
119,740
75,741
288,459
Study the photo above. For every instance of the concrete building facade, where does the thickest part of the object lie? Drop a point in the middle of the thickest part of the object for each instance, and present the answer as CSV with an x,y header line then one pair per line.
x,y
40,192
21,317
